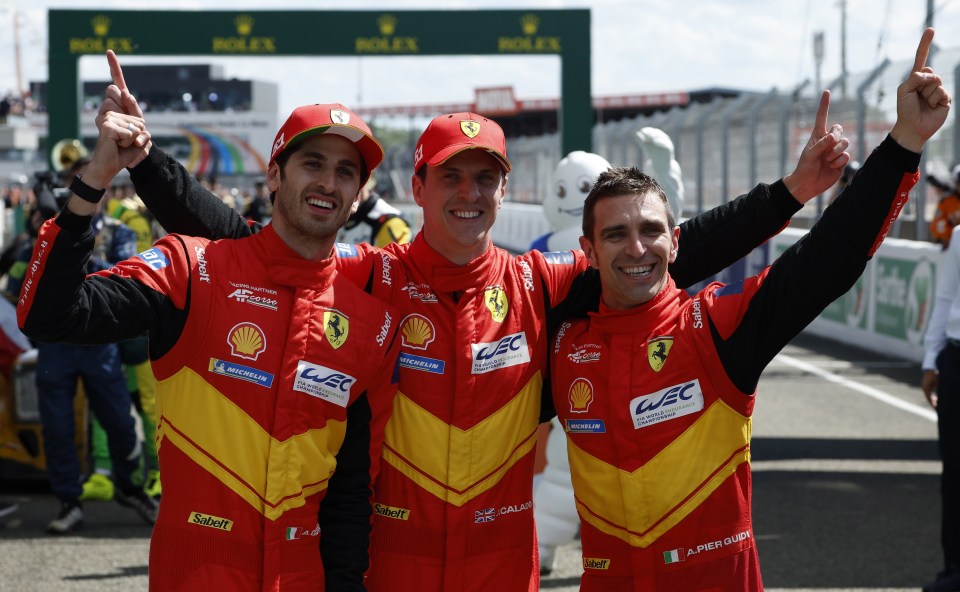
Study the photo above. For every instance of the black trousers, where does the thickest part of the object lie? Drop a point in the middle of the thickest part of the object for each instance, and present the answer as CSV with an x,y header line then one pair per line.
x,y
948,425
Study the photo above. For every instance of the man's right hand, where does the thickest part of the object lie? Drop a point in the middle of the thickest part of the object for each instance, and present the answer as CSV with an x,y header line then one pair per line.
x,y
119,101
929,384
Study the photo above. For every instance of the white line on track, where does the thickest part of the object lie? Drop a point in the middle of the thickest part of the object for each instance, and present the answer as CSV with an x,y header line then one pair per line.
x,y
863,389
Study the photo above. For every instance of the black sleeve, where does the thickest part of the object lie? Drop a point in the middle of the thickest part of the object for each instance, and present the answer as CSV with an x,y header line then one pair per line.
x,y
717,238
180,204
820,267
345,512
60,303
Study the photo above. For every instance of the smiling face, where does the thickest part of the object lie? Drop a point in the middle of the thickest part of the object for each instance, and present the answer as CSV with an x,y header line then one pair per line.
x,y
316,190
460,200
632,244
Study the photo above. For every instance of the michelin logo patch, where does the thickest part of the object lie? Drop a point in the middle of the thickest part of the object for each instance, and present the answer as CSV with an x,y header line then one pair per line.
x,y
509,351
669,403
421,363
154,258
225,368
585,426
346,250
559,257
323,383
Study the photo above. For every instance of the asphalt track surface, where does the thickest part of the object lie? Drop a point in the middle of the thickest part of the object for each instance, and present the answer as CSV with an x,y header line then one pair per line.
x,y
846,480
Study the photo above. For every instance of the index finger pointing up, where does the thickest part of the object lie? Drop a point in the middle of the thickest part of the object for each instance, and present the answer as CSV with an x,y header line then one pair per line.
x,y
923,50
115,71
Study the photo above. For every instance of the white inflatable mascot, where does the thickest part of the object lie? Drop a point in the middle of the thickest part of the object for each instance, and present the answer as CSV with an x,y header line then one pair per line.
x,y
553,504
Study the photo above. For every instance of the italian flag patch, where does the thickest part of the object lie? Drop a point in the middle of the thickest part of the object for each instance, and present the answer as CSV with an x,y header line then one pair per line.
x,y
674,556
293,533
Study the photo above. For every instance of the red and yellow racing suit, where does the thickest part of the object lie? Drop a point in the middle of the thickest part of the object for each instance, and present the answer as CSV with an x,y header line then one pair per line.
x,y
275,377
657,400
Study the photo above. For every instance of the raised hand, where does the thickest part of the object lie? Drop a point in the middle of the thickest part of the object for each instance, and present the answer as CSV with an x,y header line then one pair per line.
x,y
922,102
822,159
135,141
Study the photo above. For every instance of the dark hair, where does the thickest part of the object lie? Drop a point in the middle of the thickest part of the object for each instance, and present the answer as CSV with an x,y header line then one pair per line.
x,y
619,181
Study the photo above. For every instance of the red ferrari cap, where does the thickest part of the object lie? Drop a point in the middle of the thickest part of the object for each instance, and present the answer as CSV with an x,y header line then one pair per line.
x,y
331,118
453,133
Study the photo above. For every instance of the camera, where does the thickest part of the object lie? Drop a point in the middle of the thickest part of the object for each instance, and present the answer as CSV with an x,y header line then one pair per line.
x,y
47,185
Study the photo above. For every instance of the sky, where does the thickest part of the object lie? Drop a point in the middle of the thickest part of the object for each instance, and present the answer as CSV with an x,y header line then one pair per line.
x,y
638,46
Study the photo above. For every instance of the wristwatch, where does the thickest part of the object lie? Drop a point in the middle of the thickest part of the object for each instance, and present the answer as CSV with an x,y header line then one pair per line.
x,y
85,192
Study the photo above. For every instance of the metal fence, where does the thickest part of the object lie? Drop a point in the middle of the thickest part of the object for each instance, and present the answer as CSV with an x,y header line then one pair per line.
x,y
727,146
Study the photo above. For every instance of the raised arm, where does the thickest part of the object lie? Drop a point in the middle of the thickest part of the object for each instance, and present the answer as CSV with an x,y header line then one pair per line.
x,y
824,264
719,237
58,302
174,196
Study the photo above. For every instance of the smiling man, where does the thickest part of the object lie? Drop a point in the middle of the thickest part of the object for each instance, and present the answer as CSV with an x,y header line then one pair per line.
x,y
656,390
275,373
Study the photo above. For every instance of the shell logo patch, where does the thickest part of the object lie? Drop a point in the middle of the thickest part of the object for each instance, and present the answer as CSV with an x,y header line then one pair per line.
x,y
496,301
657,352
470,128
247,341
336,327
580,395
417,332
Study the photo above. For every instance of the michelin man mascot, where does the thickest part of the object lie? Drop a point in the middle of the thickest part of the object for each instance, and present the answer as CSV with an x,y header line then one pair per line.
x,y
553,504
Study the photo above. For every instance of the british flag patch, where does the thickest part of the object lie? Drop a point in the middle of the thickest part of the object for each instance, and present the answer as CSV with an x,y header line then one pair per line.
x,y
487,515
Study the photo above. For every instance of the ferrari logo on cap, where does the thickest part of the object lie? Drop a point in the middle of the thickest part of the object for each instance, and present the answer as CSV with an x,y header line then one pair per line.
x,y
470,128
657,352
339,116
336,327
496,302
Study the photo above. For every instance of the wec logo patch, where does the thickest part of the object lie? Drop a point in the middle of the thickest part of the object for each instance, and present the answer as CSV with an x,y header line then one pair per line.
x,y
669,403
323,383
509,351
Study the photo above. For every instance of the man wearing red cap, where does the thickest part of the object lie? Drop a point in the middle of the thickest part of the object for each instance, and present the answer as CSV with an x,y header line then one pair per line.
x,y
274,371
453,500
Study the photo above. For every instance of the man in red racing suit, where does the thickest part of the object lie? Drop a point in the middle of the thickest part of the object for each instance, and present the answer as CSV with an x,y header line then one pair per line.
x,y
656,390
453,501
275,373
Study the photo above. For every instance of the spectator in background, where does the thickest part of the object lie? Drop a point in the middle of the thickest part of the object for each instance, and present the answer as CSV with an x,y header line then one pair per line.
x,y
260,206
375,222
948,213
60,366
941,386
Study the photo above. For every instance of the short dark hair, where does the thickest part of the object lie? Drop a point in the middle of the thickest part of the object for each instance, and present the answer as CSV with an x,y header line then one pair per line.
x,y
619,181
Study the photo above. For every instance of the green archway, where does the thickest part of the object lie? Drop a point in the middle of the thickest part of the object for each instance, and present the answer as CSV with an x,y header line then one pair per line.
x,y
566,33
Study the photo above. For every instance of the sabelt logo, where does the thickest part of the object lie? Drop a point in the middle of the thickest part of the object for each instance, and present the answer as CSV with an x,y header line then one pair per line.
x,y
511,350
386,275
560,333
210,521
596,563
202,264
527,274
384,329
391,512
697,314
669,403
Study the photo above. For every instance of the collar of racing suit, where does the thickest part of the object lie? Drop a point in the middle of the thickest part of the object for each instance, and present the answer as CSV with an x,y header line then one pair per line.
x,y
287,268
446,276
644,318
